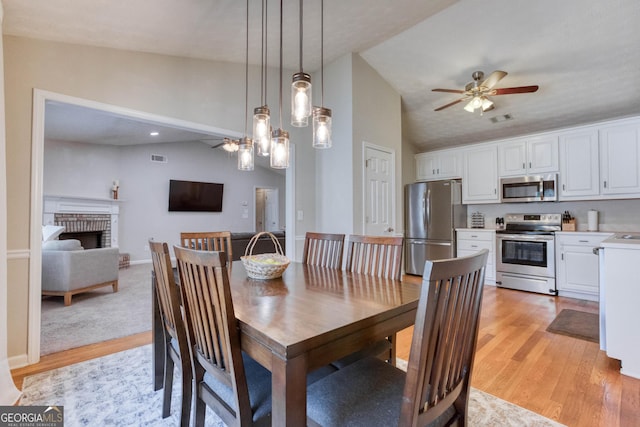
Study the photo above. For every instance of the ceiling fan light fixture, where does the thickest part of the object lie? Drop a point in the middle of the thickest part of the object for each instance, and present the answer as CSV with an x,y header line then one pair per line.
x,y
487,104
230,145
469,107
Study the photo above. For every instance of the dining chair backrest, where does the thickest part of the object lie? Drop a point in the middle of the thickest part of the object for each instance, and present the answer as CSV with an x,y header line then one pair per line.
x,y
213,328
375,255
169,301
444,339
323,249
208,241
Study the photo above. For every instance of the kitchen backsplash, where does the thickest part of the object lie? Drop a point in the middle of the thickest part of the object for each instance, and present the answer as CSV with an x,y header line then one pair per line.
x,y
613,215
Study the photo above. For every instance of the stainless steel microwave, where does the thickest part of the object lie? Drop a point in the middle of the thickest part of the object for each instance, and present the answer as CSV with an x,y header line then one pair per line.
x,y
538,188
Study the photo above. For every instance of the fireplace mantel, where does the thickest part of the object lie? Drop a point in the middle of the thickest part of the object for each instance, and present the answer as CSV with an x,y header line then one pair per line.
x,y
56,204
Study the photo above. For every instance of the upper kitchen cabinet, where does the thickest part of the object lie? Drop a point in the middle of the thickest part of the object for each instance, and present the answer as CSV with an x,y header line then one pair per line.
x,y
528,156
480,175
436,165
620,159
579,165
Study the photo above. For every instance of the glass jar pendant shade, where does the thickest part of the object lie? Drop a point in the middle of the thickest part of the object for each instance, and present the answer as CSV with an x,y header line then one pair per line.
x,y
321,127
279,149
300,99
262,130
245,154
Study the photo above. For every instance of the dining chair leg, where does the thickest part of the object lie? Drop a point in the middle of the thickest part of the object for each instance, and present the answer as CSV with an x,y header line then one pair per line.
x,y
187,395
168,385
201,406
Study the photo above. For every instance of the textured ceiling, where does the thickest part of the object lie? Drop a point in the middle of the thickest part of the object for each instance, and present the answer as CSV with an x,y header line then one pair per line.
x,y
584,54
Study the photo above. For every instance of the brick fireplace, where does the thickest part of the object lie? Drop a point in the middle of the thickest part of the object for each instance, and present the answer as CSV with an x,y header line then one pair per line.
x,y
93,221
93,230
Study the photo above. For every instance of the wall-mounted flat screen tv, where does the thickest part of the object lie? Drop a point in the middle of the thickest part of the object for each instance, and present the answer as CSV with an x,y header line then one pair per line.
x,y
193,196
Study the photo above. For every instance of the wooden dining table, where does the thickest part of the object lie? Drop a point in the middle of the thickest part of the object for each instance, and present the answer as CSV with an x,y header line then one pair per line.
x,y
304,320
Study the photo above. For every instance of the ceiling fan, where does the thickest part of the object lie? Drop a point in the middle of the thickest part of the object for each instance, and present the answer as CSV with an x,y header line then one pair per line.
x,y
477,92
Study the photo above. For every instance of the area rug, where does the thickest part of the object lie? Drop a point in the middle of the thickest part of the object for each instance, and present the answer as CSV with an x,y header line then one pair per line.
x,y
99,315
576,324
117,390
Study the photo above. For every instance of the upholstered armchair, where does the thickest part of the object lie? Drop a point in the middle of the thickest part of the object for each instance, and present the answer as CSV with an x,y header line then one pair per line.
x,y
69,269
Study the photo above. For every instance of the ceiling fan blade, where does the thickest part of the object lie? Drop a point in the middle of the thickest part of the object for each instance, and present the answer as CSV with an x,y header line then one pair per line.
x,y
449,104
512,90
493,78
448,90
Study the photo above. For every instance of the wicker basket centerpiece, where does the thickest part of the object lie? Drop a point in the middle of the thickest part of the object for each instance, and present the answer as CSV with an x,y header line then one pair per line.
x,y
264,266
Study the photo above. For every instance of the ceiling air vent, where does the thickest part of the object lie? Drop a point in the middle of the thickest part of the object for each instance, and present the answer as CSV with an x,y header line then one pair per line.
x,y
502,118
158,158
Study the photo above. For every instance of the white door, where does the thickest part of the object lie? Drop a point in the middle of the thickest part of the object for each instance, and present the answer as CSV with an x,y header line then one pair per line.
x,y
271,215
379,194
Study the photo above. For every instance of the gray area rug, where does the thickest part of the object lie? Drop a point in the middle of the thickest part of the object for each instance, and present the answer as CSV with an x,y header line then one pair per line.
x,y
99,315
117,390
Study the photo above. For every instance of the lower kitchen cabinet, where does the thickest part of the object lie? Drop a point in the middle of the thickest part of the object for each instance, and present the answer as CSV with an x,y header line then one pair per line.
x,y
577,270
471,240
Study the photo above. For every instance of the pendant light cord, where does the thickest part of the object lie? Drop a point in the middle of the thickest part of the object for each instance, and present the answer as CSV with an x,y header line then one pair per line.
x,y
246,78
322,53
281,14
301,33
264,53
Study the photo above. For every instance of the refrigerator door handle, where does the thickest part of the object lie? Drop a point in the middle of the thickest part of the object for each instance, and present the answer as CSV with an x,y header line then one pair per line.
x,y
427,200
440,243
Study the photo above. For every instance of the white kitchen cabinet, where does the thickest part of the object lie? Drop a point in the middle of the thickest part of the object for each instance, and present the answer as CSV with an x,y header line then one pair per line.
x,y
620,313
528,156
436,165
579,165
620,159
577,270
471,240
480,175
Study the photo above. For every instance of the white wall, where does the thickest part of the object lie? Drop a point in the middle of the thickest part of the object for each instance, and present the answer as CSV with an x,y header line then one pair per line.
x,y
77,169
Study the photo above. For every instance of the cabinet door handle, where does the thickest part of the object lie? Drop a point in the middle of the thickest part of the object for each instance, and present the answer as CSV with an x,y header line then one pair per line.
x,y
583,241
605,184
495,191
562,256
529,165
563,187
474,246
523,165
433,171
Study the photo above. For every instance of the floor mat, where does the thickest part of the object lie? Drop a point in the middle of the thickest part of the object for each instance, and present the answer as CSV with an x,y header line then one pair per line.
x,y
576,324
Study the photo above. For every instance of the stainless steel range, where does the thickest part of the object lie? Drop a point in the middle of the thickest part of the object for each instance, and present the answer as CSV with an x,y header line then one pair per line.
x,y
525,252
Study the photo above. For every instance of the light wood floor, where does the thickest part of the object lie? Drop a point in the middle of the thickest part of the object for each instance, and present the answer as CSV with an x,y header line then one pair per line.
x,y
565,379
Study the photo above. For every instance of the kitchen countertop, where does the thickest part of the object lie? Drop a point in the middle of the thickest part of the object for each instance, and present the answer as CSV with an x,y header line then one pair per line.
x,y
623,241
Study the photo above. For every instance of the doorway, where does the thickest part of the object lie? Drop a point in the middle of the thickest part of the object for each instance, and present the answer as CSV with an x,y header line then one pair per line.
x,y
267,209
41,99
379,198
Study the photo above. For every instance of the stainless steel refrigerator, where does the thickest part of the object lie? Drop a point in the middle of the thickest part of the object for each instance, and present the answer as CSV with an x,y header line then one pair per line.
x,y
433,210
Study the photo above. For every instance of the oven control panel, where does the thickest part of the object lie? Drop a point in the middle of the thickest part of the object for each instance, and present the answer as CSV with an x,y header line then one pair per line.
x,y
542,219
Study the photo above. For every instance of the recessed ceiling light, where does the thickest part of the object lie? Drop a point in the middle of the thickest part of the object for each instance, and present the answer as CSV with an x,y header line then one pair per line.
x,y
154,133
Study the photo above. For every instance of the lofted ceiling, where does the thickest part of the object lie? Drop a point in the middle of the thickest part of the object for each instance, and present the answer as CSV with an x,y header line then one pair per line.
x,y
583,54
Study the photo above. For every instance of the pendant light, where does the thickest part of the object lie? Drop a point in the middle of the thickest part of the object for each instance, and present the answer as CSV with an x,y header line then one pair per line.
x,y
262,115
300,90
321,115
245,145
279,137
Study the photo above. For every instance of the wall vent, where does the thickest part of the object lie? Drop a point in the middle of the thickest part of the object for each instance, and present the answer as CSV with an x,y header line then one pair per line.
x,y
158,158
502,118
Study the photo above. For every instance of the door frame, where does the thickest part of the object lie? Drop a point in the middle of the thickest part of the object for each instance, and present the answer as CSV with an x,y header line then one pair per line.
x,y
365,146
40,97
255,202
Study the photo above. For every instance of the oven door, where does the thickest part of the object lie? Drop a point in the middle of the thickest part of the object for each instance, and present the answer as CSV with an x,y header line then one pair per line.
x,y
529,254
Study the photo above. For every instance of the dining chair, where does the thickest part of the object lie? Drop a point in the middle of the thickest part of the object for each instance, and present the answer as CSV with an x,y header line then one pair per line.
x,y
232,384
375,256
176,341
323,249
208,241
435,388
